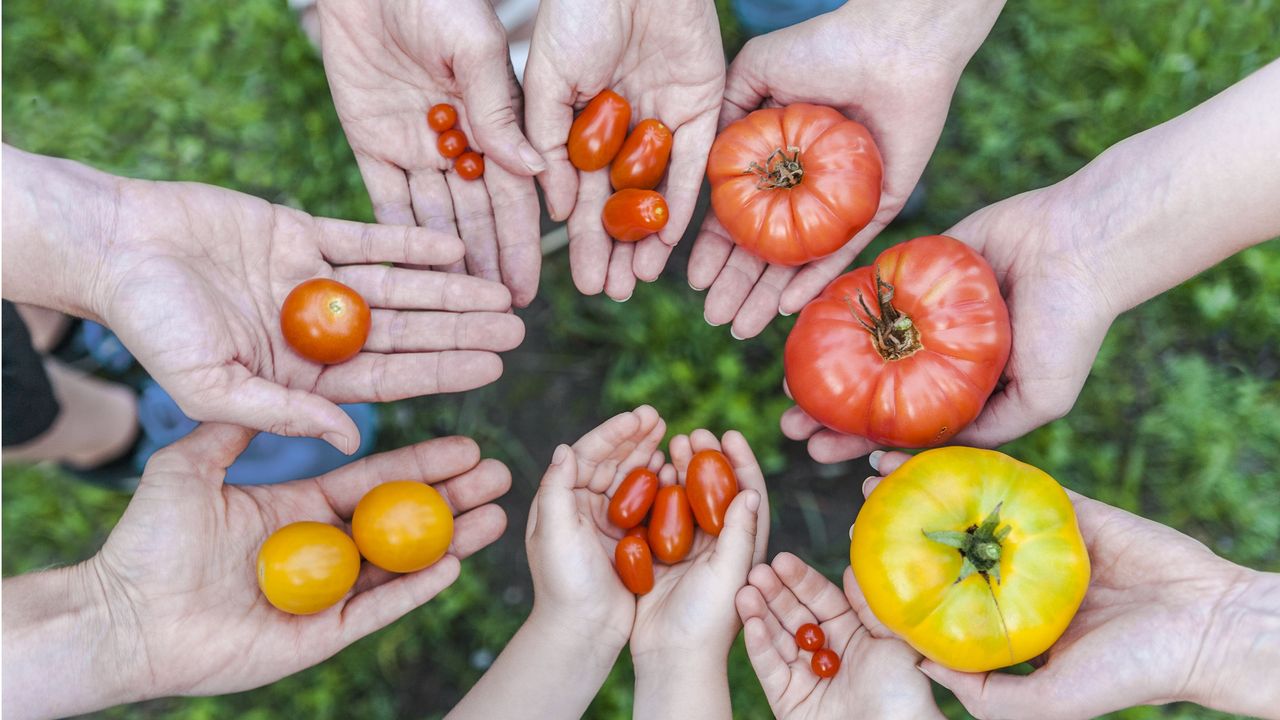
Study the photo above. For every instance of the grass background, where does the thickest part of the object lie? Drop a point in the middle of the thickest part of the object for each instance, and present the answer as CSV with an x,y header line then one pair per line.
x,y
1180,418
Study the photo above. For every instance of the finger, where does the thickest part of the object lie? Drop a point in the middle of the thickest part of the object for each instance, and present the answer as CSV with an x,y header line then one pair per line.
x,y
761,306
689,148
829,446
811,588
515,217
732,286
814,277
253,402
735,548
620,280
555,500
997,694
886,462
474,216
634,451
382,605
388,191
681,450
548,115
868,485
431,461
394,331
858,601
650,258
750,477
483,71
772,670
711,250
205,452
798,425
349,243
405,289
432,203
589,246
476,530
374,377
750,604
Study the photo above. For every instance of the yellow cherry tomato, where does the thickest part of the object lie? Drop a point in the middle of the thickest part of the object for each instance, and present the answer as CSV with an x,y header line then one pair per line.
x,y
306,567
402,526
972,557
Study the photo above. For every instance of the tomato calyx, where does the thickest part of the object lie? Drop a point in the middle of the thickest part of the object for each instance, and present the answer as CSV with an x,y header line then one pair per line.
x,y
895,336
779,170
979,545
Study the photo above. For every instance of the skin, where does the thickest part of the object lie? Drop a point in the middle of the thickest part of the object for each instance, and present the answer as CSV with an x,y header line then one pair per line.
x,y
191,278
178,572
892,66
387,64
1145,215
1164,620
665,58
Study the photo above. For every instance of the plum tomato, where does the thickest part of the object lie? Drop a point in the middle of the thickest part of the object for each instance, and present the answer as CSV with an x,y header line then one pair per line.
x,y
442,117
631,215
598,131
305,567
671,525
633,498
639,531
810,637
635,564
643,157
711,485
825,663
451,143
470,165
402,526
325,321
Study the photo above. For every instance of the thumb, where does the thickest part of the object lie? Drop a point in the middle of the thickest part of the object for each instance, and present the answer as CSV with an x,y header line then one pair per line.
x,y
260,404
737,542
554,502
488,83
206,451
991,694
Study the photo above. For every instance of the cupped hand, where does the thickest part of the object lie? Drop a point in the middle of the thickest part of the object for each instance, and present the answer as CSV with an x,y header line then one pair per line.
x,y
868,61
665,58
180,567
1059,313
387,62
877,678
570,540
195,278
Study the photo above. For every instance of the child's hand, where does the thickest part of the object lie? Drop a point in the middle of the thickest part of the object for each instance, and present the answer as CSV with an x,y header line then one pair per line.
x,y
686,624
877,675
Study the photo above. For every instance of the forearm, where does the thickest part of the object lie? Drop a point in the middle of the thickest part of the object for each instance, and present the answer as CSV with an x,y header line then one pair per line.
x,y
65,651
948,32
550,669
1240,672
59,219
688,684
1170,202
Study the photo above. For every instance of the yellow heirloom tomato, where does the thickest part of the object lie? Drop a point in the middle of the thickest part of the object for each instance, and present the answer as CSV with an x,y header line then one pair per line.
x,y
972,557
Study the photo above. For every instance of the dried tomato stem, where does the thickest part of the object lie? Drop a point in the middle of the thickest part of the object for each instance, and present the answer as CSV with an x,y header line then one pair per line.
x,y
778,170
893,333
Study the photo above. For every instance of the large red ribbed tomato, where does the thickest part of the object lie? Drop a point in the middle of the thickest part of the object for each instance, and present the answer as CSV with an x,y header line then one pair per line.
x,y
904,352
794,184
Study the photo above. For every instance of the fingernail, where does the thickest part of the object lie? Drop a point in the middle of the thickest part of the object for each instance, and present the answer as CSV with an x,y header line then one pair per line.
x,y
753,500
532,159
874,459
708,321
341,442
850,531
628,297
733,334
562,451
784,313
693,287
924,668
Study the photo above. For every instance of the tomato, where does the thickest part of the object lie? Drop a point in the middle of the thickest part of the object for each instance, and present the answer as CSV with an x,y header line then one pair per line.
x,y
631,215
470,165
972,557
639,531
633,498
442,117
711,485
643,157
825,663
794,184
671,525
598,131
810,637
451,143
325,321
305,567
402,526
905,352
635,564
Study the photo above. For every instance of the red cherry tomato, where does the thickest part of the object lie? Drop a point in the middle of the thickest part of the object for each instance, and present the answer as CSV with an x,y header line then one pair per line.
x,y
598,131
325,321
635,564
825,663
643,157
631,215
810,637
633,498
470,165
711,484
639,531
441,117
671,525
451,143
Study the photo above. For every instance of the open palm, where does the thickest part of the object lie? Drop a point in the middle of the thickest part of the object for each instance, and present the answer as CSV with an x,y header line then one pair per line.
x,y
665,58
183,558
197,275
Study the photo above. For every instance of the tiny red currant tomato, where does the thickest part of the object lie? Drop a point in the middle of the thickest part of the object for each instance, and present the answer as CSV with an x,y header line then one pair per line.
x,y
810,637
441,117
451,143
825,663
470,165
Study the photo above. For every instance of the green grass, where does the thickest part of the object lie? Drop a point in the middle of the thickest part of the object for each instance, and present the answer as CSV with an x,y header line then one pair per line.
x,y
1180,419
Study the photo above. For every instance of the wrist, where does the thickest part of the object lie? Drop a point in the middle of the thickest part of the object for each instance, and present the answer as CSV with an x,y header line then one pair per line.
x,y
1235,669
947,32
681,684
594,647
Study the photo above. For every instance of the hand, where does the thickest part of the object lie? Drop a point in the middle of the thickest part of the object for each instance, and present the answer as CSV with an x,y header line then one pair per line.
x,y
686,624
388,61
878,677
665,58
178,571
891,66
1164,619
193,283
